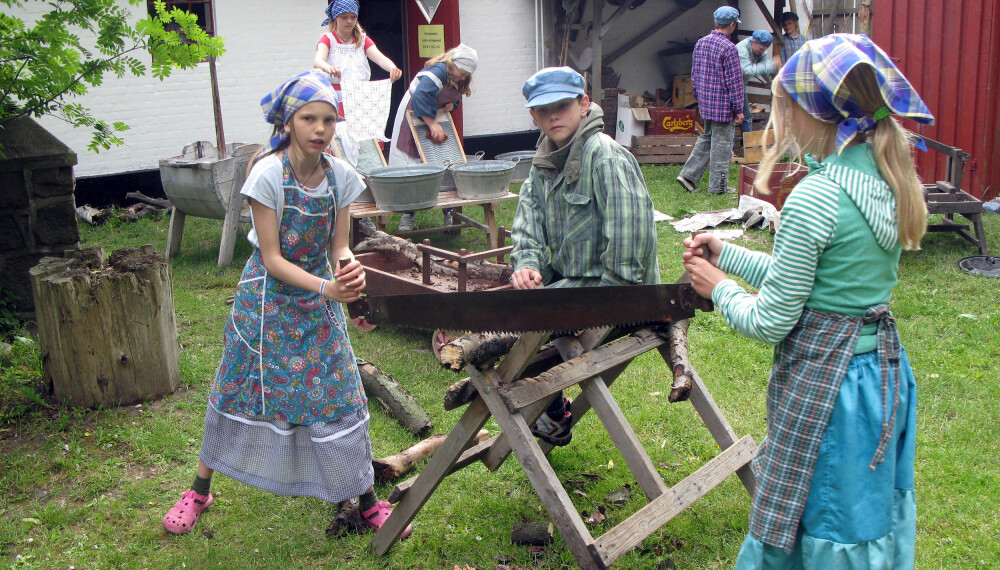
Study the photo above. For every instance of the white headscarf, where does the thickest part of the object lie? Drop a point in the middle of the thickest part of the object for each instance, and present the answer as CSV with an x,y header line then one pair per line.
x,y
465,58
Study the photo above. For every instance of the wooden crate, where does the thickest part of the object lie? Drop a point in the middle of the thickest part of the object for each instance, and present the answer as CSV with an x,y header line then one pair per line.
x,y
663,149
783,178
753,144
683,91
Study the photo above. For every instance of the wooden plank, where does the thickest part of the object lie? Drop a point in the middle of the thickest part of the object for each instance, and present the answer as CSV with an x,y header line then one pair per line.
x,y
527,390
715,421
434,472
665,151
647,520
658,160
446,199
758,138
664,140
538,470
624,437
588,339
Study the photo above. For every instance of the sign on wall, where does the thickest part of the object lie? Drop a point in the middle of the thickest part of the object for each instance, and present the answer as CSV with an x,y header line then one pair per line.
x,y
431,40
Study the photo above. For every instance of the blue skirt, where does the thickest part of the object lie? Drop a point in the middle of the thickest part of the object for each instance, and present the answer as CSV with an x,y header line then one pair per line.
x,y
854,517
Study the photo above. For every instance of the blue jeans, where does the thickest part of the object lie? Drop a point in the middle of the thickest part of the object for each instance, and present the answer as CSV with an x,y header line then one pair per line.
x,y
713,150
747,124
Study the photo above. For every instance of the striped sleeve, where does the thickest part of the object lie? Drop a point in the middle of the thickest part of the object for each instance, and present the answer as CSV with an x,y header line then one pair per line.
x,y
752,266
808,221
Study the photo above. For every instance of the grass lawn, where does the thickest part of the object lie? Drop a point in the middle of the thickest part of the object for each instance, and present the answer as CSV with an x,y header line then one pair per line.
x,y
88,488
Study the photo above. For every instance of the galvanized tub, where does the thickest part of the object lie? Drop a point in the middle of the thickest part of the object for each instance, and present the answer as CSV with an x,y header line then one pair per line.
x,y
523,160
482,179
448,182
406,187
199,184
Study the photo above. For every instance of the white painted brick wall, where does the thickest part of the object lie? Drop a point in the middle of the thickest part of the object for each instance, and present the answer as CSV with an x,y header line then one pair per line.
x,y
264,46
503,33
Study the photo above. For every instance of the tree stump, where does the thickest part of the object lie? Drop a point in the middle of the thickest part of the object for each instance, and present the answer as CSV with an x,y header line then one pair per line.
x,y
107,331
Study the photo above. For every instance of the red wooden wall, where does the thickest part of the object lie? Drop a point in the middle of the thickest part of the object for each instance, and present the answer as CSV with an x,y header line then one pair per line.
x,y
950,51
447,16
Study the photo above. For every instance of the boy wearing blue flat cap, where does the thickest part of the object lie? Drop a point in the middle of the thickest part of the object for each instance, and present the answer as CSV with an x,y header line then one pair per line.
x,y
584,217
753,63
718,86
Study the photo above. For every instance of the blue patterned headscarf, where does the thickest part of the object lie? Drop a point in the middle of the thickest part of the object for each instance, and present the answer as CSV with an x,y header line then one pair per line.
x,y
814,78
338,7
280,104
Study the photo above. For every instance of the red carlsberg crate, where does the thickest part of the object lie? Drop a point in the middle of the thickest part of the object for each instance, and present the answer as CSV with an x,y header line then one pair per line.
x,y
670,121
783,178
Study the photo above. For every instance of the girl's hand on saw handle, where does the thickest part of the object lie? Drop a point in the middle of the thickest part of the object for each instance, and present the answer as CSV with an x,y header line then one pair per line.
x,y
704,245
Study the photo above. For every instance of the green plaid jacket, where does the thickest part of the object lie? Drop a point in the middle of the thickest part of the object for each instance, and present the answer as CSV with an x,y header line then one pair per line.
x,y
592,223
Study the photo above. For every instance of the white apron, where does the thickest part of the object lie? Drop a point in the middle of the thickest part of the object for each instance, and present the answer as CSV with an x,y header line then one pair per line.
x,y
397,156
351,60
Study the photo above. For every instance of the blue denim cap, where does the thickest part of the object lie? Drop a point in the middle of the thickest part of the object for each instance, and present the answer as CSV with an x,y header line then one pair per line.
x,y
763,37
726,15
552,84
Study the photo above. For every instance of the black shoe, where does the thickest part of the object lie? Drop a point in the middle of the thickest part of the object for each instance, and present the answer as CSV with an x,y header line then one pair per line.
x,y
554,431
687,184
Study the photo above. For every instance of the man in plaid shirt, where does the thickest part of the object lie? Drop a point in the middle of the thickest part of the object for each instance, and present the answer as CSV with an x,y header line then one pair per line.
x,y
718,87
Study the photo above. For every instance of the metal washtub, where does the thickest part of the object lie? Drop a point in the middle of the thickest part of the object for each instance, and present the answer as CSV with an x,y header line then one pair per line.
x,y
482,179
523,160
406,187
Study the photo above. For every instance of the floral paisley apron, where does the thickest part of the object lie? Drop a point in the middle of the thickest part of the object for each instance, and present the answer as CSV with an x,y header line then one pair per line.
x,y
286,353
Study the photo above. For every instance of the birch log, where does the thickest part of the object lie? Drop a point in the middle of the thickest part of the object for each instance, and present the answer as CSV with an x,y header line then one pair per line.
x,y
479,349
394,399
680,361
395,466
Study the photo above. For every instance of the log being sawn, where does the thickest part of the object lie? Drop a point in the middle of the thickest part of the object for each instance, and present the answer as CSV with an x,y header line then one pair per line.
x,y
395,466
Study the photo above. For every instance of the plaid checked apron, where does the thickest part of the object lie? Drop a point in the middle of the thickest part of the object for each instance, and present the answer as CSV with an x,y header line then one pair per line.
x,y
809,366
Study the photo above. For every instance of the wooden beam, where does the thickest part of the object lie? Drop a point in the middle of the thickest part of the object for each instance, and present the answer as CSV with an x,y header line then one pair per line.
x,y
618,14
767,16
643,36
596,93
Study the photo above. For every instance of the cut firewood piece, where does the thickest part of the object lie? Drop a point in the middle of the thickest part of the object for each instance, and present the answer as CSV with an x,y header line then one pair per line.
x,y
91,215
459,394
531,533
479,349
680,361
140,197
395,466
347,521
394,399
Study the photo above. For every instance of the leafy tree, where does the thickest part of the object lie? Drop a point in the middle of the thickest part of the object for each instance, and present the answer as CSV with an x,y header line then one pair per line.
x,y
75,43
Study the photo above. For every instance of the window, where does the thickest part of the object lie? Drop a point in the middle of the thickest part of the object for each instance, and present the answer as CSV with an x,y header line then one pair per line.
x,y
200,8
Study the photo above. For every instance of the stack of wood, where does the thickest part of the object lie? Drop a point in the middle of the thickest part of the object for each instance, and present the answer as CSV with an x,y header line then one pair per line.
x,y
663,149
609,104
142,206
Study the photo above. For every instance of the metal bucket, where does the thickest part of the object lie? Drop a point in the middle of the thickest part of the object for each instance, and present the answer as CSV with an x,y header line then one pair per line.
x,y
482,179
523,160
406,187
448,182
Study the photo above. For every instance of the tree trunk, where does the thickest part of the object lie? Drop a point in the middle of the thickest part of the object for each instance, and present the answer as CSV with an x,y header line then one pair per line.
x,y
395,466
394,399
107,332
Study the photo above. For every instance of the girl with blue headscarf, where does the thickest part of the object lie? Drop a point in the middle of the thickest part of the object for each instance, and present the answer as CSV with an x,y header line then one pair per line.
x,y
834,476
344,50
287,413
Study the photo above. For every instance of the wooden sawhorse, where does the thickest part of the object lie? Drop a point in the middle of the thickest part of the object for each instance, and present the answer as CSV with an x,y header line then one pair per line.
x,y
516,402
